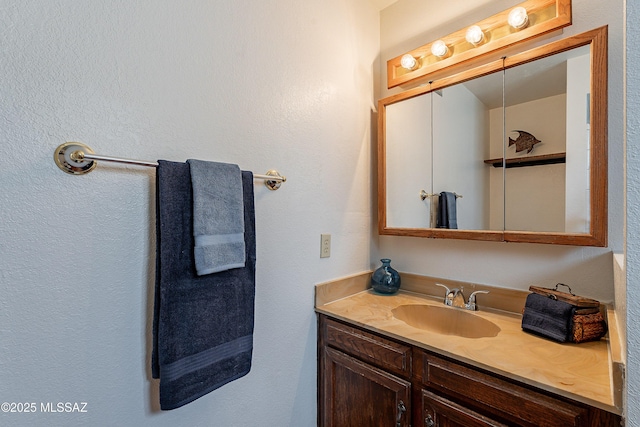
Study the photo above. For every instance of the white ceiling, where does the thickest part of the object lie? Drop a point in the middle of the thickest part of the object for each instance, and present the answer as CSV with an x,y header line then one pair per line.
x,y
534,80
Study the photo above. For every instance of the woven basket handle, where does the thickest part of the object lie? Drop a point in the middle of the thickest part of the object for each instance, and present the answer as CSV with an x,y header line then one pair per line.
x,y
567,286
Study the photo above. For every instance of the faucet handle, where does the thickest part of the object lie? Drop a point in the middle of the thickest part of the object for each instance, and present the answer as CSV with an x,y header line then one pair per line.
x,y
446,289
478,292
471,305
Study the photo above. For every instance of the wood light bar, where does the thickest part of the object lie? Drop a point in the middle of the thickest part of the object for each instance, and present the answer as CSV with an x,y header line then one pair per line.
x,y
544,16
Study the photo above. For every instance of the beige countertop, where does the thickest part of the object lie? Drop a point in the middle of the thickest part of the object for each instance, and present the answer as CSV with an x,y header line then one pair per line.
x,y
582,372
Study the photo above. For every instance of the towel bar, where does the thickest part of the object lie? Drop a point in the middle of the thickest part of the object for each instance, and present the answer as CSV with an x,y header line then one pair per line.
x,y
77,158
424,195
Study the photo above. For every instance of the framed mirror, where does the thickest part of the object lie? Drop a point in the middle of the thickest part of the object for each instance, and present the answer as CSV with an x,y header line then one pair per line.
x,y
513,150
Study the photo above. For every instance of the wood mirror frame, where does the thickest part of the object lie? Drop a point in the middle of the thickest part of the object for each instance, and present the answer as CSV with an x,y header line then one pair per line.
x,y
597,236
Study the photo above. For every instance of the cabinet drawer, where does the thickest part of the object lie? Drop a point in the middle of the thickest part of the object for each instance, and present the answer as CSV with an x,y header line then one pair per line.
x,y
373,349
496,396
438,411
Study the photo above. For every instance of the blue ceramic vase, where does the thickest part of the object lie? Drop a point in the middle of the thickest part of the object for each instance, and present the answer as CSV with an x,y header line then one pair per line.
x,y
385,280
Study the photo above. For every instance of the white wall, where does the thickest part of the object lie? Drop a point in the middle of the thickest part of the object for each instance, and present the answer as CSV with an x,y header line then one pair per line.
x,y
408,145
460,134
497,150
283,84
578,142
408,24
535,195
632,248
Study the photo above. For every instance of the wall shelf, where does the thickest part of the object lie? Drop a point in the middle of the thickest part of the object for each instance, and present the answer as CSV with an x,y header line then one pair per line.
x,y
518,162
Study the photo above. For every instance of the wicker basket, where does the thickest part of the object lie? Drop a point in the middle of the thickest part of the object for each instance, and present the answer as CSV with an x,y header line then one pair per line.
x,y
588,327
588,323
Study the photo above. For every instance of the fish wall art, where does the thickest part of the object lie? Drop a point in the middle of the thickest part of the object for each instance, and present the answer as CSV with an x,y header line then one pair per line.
x,y
524,141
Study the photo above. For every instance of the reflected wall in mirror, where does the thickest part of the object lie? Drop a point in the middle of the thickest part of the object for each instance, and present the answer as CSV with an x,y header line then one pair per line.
x,y
409,126
465,133
549,98
453,136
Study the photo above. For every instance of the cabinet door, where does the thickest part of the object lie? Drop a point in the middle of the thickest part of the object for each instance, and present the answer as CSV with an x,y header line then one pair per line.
x,y
506,400
355,394
440,412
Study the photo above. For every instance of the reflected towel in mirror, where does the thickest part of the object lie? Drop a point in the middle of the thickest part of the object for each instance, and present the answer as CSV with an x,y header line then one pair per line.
x,y
447,214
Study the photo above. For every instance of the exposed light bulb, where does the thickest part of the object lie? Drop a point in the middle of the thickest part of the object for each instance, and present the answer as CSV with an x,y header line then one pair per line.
x,y
518,18
439,49
474,35
408,61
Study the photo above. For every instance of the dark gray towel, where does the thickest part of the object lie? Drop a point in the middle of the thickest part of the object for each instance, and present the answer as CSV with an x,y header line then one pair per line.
x,y
447,214
203,325
548,317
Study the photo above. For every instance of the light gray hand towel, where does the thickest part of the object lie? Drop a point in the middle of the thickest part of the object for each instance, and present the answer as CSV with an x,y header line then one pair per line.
x,y
218,216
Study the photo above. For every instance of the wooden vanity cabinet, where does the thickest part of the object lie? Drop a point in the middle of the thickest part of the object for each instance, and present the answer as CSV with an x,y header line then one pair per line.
x,y
358,394
365,379
502,400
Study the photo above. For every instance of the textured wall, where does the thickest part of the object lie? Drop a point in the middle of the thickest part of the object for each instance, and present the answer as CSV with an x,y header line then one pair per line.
x,y
408,24
633,213
280,84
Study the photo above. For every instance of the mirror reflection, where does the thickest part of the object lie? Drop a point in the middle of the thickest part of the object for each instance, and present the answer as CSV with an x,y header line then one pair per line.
x,y
503,152
467,128
544,102
408,126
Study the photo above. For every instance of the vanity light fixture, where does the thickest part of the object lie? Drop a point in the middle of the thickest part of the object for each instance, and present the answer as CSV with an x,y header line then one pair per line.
x,y
474,35
518,18
408,62
439,49
475,43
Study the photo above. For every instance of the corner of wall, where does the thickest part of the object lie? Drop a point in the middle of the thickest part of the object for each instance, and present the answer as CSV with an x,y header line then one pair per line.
x,y
620,301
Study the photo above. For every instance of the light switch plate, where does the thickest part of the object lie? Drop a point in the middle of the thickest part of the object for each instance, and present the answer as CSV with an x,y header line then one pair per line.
x,y
325,245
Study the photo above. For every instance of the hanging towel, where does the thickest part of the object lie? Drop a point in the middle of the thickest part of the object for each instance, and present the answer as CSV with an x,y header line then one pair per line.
x,y
447,215
218,218
203,325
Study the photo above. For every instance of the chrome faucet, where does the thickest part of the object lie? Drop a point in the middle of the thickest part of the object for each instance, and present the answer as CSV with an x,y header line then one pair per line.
x,y
455,298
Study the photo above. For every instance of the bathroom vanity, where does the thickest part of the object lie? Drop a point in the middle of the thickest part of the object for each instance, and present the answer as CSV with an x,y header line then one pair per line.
x,y
411,360
374,369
